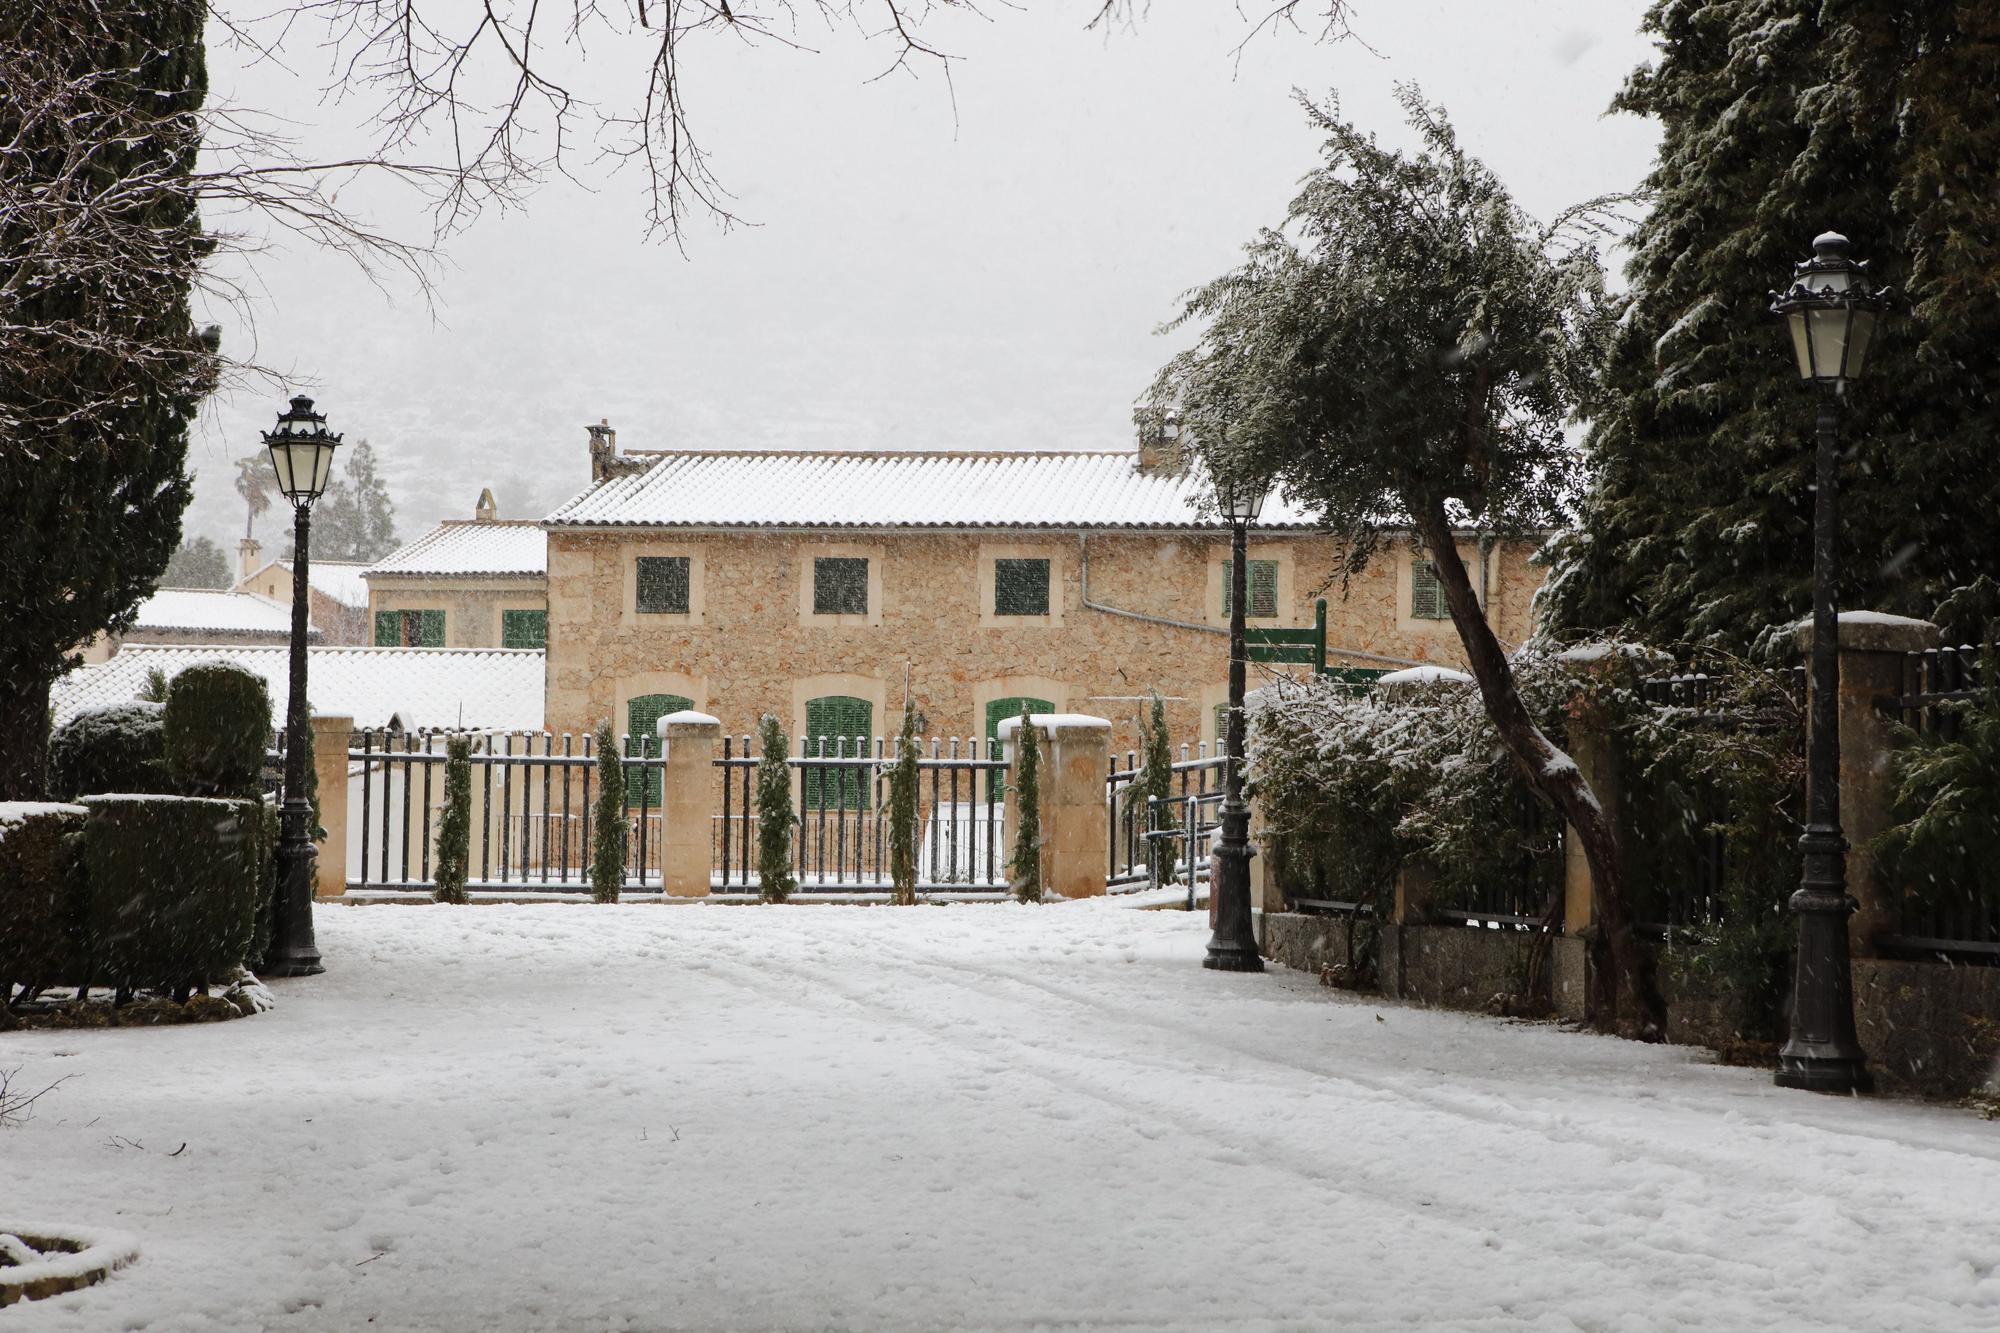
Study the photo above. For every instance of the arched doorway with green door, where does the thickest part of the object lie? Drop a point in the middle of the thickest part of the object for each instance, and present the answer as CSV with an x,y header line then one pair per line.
x,y
843,724
997,712
642,715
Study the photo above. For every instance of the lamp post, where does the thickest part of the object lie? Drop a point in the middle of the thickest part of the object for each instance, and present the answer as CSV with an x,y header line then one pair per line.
x,y
1232,944
302,455
1831,310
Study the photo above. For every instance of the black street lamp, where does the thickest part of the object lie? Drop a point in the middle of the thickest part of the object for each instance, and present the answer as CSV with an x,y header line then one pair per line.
x,y
1232,944
1831,309
302,455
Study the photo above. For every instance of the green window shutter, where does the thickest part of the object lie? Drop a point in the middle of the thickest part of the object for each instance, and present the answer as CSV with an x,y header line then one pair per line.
x,y
663,582
430,629
642,741
524,629
997,712
1426,593
1020,587
836,718
388,629
840,585
1261,585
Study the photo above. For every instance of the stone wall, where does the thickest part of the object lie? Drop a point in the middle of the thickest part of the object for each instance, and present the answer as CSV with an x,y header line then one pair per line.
x,y
750,645
1450,967
471,605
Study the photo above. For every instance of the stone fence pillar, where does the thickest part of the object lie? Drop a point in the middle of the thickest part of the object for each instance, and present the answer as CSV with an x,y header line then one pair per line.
x,y
1076,759
1872,645
687,801
330,741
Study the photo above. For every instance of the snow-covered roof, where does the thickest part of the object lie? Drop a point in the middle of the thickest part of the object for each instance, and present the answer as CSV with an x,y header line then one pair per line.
x,y
339,579
213,610
801,489
424,687
460,547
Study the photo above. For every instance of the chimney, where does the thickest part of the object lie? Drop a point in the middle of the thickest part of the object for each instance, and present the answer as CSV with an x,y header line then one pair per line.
x,y
485,511
603,448
1159,439
249,558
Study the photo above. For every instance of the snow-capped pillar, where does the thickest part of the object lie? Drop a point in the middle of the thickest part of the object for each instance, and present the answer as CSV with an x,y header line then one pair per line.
x,y
1076,760
330,741
1872,648
687,801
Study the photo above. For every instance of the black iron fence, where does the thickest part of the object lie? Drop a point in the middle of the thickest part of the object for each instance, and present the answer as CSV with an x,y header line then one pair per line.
x,y
533,796
840,791
1134,827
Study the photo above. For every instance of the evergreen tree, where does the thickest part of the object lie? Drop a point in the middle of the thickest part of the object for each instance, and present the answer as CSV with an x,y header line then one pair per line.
x,y
1026,864
1412,345
1156,781
775,819
1783,119
197,564
903,811
607,852
99,506
355,519
454,837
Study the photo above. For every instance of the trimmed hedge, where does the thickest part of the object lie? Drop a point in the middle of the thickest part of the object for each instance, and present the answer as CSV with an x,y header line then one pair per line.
x,y
217,723
41,894
119,747
173,887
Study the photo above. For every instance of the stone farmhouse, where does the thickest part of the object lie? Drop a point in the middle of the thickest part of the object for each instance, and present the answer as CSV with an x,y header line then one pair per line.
x,y
219,616
464,584
820,586
336,592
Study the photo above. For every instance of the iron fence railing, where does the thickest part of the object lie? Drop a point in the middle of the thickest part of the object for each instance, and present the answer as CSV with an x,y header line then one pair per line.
x,y
1128,822
532,811
840,792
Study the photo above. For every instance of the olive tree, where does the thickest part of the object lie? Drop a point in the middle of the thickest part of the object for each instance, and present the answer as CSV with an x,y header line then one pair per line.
x,y
1406,352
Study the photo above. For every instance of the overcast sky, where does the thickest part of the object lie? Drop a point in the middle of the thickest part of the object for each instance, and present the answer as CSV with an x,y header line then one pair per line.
x,y
918,279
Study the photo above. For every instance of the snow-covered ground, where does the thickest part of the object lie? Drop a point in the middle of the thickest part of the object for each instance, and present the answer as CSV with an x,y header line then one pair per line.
x,y
986,1116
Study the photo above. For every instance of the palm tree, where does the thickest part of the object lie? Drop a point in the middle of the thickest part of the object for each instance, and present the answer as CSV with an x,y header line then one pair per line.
x,y
255,483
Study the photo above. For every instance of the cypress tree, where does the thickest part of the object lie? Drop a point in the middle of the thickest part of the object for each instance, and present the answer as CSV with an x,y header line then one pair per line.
x,y
104,367
607,852
1783,119
1027,861
775,880
903,812
1156,779
454,840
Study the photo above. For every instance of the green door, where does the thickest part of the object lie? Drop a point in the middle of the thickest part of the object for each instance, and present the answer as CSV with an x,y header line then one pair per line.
x,y
997,712
835,718
640,741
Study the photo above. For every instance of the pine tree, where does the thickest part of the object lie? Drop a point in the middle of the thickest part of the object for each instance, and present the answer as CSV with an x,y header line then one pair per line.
x,y
454,837
355,519
607,851
1783,119
1026,864
903,812
775,819
197,564
100,506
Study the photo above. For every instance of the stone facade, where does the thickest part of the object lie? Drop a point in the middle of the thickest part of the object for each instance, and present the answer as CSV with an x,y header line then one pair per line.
x,y
750,644
472,603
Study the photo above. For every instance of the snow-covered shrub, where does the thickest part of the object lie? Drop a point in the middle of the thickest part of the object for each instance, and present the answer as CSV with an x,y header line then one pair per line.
x,y
218,723
607,831
1946,841
775,819
454,836
903,781
41,894
173,884
1155,780
118,747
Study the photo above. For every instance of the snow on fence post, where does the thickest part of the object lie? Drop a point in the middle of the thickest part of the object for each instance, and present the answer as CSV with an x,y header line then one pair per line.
x,y
687,801
331,737
1872,649
1076,754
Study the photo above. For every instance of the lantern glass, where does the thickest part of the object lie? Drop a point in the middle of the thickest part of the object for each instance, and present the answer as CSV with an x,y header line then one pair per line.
x,y
304,464
1242,501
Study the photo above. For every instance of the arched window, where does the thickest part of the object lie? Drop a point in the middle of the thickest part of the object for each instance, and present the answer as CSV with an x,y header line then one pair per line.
x,y
845,723
997,712
641,741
